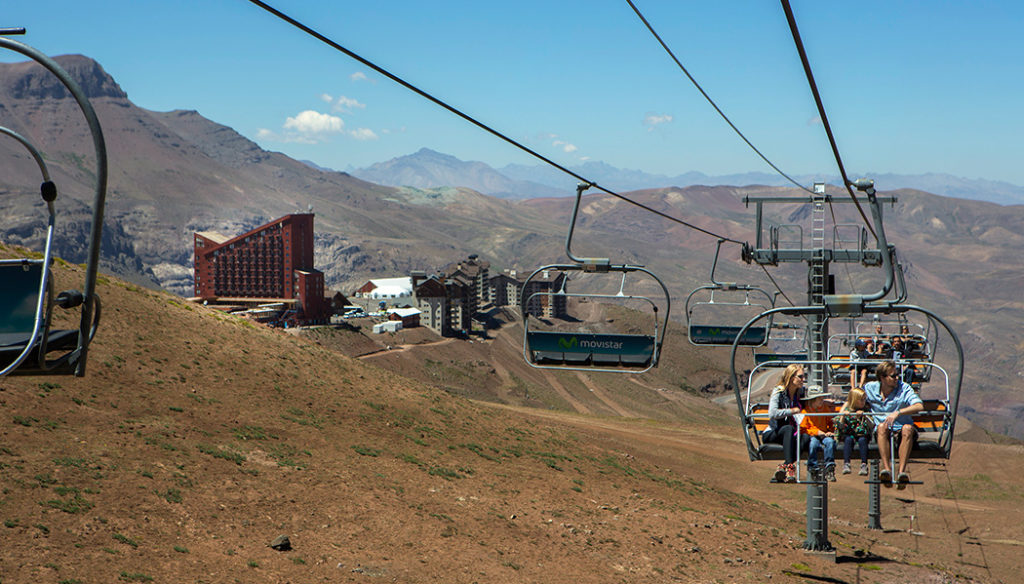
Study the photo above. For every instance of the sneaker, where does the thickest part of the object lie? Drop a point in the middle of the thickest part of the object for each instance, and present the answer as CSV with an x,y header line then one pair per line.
x,y
902,479
846,468
885,477
863,469
780,474
790,473
830,473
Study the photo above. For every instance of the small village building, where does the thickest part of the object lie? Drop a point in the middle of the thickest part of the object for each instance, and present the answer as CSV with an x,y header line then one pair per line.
x,y
539,298
409,317
394,290
506,288
431,299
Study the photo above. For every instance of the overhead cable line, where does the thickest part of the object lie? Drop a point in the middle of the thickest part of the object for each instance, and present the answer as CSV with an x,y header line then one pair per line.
x,y
711,101
821,111
776,284
474,121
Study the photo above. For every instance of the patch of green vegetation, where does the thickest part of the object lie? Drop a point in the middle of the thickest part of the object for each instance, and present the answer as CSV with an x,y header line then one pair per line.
x,y
410,459
70,462
136,577
215,452
171,495
445,473
180,549
366,451
978,487
253,433
479,451
125,540
286,454
9,523
303,418
26,421
75,504
164,445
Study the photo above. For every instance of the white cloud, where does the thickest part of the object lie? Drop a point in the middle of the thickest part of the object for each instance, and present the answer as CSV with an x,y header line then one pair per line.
x,y
654,120
358,76
311,122
265,134
565,146
346,104
363,134
815,121
326,97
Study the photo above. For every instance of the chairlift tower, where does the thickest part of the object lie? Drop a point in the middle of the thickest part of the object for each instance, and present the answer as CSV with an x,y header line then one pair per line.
x,y
785,244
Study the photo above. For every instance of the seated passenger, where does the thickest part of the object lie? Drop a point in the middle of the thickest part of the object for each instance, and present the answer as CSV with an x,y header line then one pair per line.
x,y
892,403
822,432
854,424
783,404
896,348
859,374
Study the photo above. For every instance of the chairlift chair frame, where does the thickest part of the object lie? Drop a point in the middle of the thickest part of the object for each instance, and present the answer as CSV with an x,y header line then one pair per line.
x,y
941,413
723,335
26,336
619,353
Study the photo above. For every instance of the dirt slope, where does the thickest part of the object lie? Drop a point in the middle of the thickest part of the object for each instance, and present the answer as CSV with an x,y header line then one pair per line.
x,y
196,439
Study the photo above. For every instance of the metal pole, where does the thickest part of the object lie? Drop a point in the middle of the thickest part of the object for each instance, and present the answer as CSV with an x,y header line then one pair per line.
x,y
874,497
817,516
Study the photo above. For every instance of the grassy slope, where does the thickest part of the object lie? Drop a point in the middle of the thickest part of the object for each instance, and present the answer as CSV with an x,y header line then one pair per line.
x,y
196,439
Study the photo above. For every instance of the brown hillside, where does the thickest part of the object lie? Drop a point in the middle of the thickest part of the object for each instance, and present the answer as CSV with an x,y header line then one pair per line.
x,y
196,439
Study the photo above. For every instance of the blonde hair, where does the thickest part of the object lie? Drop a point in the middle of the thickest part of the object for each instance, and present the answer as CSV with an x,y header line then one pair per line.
x,y
787,376
855,394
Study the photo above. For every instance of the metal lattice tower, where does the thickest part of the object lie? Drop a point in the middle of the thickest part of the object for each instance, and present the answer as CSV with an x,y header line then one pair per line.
x,y
817,288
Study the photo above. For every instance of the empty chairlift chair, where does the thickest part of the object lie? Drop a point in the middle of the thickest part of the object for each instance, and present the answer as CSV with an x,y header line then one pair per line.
x,y
575,343
28,344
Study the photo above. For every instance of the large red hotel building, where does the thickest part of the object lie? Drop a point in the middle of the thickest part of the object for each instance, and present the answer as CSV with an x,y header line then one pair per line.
x,y
271,263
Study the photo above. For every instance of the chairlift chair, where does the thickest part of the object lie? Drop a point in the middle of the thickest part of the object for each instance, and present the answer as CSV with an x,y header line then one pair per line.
x,y
28,300
935,424
716,322
586,350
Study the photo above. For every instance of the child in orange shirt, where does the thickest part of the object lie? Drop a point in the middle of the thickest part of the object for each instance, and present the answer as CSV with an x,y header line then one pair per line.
x,y
818,423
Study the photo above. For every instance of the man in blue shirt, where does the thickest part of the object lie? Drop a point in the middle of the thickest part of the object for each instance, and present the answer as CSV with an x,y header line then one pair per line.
x,y
892,403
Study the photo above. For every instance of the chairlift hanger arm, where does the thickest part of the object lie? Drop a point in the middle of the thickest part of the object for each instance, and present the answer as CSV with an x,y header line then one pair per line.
x,y
99,147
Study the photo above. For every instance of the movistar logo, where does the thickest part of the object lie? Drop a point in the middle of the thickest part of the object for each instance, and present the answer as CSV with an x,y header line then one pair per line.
x,y
573,342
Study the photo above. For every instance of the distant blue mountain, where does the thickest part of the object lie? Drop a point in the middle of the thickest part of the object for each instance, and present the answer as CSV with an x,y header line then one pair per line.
x,y
618,179
428,169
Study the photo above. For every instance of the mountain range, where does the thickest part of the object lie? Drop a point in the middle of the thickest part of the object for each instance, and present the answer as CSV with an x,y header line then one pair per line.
x,y
429,169
173,173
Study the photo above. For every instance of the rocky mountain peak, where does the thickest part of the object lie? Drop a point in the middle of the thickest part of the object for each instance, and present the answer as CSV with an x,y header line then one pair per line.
x,y
29,80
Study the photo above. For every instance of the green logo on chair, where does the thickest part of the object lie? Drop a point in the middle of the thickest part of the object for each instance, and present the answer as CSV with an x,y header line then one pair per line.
x,y
570,344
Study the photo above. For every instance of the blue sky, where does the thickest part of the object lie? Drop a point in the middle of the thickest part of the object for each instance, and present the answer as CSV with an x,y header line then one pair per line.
x,y
909,87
